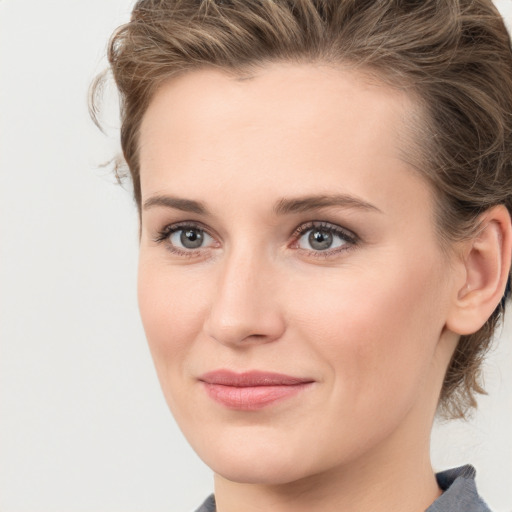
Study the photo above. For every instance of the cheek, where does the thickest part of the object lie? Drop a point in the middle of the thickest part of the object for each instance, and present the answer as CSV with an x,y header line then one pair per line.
x,y
170,313
377,330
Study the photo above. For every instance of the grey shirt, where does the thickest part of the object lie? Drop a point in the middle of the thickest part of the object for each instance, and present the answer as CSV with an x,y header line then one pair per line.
x,y
459,493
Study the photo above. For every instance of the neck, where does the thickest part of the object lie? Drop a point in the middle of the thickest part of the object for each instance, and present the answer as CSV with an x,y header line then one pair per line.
x,y
407,492
400,481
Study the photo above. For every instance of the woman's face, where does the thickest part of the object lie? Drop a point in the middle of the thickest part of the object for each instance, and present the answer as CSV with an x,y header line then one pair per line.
x,y
291,285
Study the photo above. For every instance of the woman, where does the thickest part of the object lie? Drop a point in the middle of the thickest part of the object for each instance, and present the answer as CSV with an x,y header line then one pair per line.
x,y
324,192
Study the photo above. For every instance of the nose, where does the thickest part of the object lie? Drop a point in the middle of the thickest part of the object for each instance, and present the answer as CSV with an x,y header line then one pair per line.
x,y
244,309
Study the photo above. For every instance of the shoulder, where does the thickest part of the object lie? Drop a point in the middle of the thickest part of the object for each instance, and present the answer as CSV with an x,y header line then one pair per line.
x,y
459,492
208,505
458,486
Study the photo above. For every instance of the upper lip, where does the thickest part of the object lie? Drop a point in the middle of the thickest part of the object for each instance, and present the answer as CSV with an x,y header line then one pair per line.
x,y
251,379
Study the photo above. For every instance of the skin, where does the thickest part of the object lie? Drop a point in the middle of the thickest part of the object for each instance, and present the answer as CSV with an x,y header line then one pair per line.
x,y
367,321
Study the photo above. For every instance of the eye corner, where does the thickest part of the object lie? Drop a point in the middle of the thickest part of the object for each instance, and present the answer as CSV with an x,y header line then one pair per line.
x,y
172,237
347,239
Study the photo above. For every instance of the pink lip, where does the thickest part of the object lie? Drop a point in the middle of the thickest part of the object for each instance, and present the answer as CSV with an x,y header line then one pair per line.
x,y
252,390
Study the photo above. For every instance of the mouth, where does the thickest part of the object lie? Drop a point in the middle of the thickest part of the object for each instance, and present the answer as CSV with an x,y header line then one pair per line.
x,y
253,390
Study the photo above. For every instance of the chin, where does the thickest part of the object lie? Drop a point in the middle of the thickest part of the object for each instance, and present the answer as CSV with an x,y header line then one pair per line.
x,y
260,472
263,461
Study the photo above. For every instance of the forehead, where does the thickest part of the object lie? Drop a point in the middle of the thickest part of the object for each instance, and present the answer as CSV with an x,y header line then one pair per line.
x,y
290,126
289,94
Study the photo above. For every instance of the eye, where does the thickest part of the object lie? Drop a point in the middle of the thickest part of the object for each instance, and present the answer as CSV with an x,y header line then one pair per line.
x,y
190,238
324,237
185,239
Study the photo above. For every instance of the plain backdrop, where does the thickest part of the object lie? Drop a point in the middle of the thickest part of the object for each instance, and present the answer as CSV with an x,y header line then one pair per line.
x,y
83,424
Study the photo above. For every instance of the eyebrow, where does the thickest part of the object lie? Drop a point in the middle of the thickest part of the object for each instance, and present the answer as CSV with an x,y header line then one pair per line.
x,y
282,207
308,203
185,205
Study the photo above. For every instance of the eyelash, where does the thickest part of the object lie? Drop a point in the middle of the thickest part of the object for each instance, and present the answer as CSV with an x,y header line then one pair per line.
x,y
350,238
164,235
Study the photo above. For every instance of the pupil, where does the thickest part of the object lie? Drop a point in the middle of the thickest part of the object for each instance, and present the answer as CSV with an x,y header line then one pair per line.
x,y
191,238
320,240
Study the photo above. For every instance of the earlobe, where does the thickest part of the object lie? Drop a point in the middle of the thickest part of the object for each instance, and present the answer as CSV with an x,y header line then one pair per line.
x,y
486,261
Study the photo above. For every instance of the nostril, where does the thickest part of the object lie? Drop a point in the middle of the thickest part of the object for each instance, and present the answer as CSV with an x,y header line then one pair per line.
x,y
244,308
246,331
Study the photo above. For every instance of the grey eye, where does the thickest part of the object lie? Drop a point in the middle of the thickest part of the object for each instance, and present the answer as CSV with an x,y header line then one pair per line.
x,y
190,238
321,239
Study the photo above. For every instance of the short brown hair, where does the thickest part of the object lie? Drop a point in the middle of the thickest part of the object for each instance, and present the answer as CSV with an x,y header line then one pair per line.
x,y
453,56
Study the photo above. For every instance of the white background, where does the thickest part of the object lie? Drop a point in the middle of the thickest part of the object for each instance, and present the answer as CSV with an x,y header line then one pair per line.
x,y
83,425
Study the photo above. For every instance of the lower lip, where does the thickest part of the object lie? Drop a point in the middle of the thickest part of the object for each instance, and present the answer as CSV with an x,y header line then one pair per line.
x,y
252,398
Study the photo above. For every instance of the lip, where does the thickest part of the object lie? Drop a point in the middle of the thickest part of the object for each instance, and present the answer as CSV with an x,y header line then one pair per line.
x,y
252,390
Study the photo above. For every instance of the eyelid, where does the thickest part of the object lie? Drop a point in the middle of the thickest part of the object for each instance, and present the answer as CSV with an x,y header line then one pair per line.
x,y
328,226
163,237
176,226
348,235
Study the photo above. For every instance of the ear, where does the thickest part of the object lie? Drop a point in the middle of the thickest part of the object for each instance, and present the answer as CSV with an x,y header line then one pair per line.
x,y
485,270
